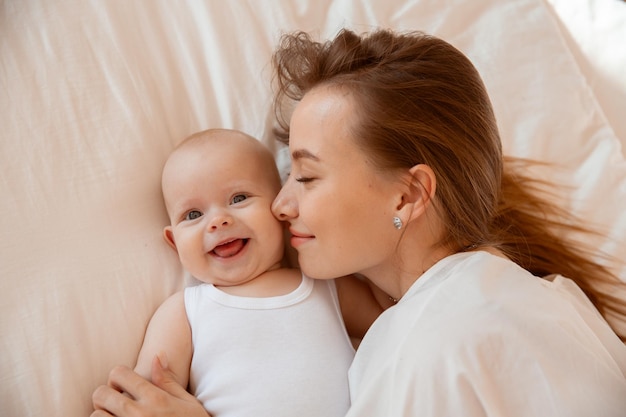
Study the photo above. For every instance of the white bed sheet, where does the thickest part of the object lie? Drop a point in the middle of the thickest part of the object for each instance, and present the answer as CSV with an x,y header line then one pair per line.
x,y
594,31
95,95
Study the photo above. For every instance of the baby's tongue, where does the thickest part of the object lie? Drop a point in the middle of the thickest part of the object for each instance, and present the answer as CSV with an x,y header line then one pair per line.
x,y
229,249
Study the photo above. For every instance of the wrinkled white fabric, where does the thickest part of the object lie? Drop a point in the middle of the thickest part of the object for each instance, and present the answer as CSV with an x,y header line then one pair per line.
x,y
478,336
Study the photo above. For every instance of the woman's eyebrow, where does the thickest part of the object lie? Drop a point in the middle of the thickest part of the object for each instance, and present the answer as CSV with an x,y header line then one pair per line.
x,y
303,153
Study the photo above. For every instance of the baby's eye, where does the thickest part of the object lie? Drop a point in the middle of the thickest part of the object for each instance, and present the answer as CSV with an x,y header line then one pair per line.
x,y
192,215
238,198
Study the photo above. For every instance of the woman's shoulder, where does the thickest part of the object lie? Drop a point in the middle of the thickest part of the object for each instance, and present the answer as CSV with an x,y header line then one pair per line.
x,y
473,279
489,304
482,296
487,277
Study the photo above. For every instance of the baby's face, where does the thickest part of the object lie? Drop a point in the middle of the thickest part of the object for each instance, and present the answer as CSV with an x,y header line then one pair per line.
x,y
219,200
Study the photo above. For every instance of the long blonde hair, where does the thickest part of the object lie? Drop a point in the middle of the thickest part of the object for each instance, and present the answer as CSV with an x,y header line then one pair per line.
x,y
423,102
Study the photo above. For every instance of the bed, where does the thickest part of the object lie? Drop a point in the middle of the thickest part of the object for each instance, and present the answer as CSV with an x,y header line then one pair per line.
x,y
95,94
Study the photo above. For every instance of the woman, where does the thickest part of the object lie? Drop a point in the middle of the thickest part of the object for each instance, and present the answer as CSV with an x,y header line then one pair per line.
x,y
397,175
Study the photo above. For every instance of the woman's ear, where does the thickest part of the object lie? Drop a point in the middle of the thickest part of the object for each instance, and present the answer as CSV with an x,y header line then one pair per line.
x,y
168,235
419,190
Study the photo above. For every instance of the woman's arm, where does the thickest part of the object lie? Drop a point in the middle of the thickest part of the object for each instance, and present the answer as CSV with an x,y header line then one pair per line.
x,y
361,303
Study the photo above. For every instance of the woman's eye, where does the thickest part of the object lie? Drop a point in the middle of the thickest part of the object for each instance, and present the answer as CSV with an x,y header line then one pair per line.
x,y
304,179
192,215
238,198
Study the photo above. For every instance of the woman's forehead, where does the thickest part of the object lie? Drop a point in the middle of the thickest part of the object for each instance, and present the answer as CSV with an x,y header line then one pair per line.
x,y
321,124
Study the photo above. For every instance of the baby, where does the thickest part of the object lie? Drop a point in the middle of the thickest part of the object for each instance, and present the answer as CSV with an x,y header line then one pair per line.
x,y
254,338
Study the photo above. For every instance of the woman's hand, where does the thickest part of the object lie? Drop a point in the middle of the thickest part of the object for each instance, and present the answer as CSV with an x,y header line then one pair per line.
x,y
129,395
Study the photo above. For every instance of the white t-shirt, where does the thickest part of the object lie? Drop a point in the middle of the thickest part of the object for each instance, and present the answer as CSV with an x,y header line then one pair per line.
x,y
269,357
477,335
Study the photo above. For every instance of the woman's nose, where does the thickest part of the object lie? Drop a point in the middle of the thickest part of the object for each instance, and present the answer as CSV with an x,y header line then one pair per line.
x,y
285,206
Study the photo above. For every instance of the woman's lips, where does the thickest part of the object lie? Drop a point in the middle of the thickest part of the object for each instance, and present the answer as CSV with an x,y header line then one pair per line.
x,y
298,239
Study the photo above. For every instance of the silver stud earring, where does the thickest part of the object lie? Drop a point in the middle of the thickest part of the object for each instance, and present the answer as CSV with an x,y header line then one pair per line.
x,y
397,223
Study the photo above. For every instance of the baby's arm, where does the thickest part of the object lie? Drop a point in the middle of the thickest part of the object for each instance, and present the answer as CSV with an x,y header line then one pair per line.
x,y
361,303
168,334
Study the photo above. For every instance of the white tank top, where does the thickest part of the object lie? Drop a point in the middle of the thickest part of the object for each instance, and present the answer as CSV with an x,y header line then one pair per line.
x,y
277,356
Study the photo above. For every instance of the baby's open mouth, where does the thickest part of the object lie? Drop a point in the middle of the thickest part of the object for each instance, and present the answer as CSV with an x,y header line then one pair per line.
x,y
229,249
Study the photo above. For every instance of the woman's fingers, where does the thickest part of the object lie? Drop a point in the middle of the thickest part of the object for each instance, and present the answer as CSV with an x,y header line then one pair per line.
x,y
124,394
108,401
125,380
129,395
163,378
100,413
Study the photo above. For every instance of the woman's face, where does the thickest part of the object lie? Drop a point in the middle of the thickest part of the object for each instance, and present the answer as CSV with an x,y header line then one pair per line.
x,y
339,208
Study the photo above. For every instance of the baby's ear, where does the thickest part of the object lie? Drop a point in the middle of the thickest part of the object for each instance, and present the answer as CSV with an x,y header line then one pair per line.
x,y
168,235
